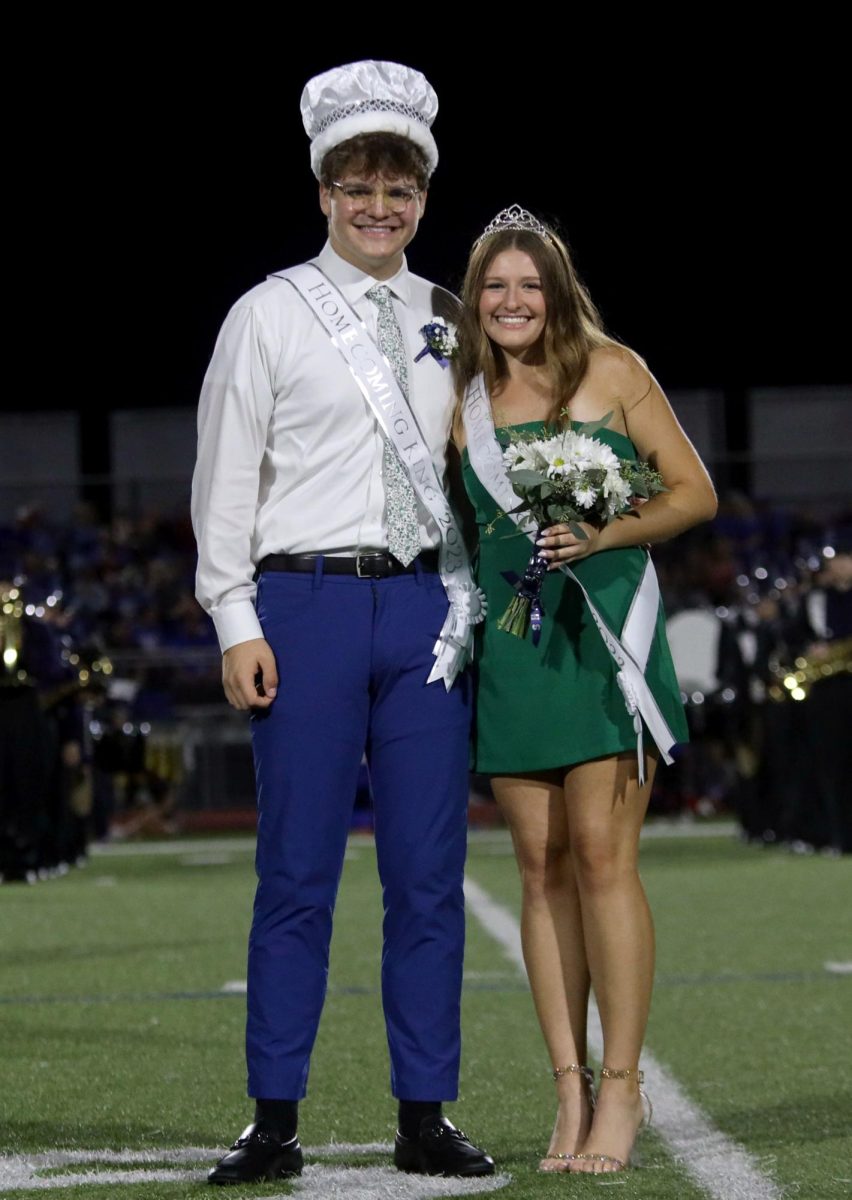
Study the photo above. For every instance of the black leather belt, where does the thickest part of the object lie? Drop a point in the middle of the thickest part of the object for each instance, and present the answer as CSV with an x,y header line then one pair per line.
x,y
365,566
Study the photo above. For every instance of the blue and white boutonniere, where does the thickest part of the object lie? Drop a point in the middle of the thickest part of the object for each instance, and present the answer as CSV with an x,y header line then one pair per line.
x,y
441,341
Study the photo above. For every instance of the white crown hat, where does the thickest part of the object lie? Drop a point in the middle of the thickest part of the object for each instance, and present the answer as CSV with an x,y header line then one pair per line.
x,y
368,97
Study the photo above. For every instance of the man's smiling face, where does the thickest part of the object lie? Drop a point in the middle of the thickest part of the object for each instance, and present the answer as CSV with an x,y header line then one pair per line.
x,y
369,224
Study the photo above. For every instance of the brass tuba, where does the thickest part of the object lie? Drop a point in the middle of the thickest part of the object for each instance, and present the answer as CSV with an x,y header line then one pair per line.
x,y
795,683
11,634
83,669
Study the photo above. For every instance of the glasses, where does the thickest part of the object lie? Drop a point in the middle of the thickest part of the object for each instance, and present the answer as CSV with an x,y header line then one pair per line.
x,y
359,196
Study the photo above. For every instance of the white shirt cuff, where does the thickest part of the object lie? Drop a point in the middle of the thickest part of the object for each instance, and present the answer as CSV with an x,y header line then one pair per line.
x,y
236,623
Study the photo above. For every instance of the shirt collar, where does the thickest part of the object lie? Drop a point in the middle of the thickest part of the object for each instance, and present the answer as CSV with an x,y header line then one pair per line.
x,y
352,281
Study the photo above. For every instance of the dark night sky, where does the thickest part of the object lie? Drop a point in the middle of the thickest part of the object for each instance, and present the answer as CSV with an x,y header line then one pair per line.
x,y
701,196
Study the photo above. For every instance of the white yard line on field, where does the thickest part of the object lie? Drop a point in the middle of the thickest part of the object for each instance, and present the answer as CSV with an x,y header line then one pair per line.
x,y
721,1167
326,1180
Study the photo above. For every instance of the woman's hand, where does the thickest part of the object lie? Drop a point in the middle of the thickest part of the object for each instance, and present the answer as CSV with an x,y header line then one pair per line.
x,y
560,545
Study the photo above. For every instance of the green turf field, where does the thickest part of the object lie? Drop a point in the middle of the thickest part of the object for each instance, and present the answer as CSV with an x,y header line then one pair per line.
x,y
117,1034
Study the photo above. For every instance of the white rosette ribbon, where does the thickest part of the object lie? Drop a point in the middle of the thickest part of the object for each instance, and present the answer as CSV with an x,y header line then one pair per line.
x,y
468,604
454,647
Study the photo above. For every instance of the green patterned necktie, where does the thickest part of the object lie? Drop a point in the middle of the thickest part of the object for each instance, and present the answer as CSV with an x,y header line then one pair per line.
x,y
400,501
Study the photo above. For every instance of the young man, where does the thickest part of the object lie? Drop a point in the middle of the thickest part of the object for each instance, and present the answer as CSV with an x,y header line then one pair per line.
x,y
321,450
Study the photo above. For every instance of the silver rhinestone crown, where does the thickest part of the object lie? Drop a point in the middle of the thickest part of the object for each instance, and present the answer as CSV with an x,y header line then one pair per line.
x,y
514,218
364,106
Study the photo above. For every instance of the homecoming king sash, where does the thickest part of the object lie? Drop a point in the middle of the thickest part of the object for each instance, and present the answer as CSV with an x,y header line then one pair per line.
x,y
631,651
378,384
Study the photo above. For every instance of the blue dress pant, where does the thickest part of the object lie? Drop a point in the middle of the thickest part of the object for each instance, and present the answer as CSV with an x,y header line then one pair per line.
x,y
353,656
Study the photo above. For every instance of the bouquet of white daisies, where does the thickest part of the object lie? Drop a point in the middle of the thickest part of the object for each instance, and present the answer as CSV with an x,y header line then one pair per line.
x,y
562,479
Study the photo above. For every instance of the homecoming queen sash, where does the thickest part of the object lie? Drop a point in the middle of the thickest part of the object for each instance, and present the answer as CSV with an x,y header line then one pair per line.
x,y
378,384
631,651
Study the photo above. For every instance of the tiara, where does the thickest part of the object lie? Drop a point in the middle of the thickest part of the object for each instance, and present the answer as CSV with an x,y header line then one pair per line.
x,y
514,218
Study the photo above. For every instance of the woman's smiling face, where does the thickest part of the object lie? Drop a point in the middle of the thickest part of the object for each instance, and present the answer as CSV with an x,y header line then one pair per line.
x,y
511,305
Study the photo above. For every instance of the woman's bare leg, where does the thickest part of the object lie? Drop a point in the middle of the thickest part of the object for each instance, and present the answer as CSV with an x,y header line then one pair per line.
x,y
552,939
605,808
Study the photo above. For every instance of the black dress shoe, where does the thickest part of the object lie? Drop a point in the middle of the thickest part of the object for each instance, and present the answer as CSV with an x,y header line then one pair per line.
x,y
257,1154
441,1149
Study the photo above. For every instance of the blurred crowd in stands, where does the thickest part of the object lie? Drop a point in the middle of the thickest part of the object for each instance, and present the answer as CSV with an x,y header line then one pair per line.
x,y
104,649
128,584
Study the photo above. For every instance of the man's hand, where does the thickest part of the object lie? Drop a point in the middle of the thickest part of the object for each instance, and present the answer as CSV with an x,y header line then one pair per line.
x,y
249,674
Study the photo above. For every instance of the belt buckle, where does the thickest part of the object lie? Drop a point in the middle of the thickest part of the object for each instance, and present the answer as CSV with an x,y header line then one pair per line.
x,y
366,574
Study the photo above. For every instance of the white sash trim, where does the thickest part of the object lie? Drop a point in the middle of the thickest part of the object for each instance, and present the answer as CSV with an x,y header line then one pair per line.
x,y
631,651
377,382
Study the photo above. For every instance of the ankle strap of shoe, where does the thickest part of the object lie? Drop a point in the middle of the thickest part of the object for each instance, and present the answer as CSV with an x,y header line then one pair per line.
x,y
574,1069
627,1073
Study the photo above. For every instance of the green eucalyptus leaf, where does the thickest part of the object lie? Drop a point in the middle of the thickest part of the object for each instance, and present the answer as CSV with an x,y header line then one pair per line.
x,y
590,428
523,477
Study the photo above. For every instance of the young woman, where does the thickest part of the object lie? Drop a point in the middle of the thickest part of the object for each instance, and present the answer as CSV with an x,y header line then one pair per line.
x,y
553,730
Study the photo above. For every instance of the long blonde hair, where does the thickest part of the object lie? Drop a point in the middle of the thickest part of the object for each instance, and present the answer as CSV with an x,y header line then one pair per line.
x,y
573,327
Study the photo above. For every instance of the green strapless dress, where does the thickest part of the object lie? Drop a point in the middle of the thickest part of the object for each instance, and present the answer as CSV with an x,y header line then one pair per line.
x,y
558,703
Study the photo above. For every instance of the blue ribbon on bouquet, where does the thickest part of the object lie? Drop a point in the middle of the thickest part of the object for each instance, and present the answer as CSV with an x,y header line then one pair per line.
x,y
528,587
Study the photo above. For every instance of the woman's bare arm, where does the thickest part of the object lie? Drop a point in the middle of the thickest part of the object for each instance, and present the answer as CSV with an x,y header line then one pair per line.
x,y
658,437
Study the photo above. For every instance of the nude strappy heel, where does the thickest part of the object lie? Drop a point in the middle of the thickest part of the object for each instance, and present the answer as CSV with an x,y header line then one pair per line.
x,y
609,1162
588,1077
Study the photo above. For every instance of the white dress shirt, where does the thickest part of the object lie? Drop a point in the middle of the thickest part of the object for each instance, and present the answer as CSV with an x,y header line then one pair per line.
x,y
289,452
